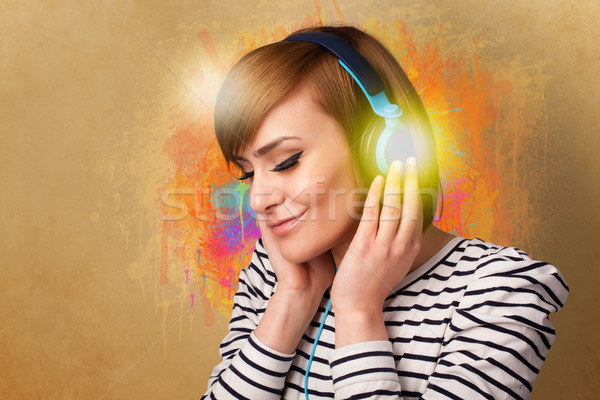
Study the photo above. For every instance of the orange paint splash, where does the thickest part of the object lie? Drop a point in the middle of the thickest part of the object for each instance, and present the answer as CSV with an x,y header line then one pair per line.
x,y
461,96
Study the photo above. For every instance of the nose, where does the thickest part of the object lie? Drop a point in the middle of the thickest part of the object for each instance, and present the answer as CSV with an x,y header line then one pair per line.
x,y
265,194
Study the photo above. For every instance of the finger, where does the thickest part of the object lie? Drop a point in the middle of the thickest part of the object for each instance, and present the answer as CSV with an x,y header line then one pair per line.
x,y
268,238
412,212
391,210
418,232
367,227
262,225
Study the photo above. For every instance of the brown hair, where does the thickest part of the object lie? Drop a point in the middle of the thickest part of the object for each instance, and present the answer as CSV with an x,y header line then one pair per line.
x,y
266,75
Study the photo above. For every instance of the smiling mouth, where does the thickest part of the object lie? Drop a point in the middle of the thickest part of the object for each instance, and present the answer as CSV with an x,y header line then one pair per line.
x,y
283,221
285,226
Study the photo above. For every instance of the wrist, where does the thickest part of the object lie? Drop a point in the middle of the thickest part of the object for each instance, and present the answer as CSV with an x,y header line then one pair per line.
x,y
355,325
299,301
286,318
302,301
361,304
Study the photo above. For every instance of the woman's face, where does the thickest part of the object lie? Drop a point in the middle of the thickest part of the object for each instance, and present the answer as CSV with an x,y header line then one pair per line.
x,y
318,191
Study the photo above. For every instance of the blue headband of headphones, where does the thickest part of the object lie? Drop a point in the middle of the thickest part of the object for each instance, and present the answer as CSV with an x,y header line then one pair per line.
x,y
371,85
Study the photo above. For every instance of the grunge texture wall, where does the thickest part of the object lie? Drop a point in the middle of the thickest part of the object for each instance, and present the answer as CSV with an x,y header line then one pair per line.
x,y
116,276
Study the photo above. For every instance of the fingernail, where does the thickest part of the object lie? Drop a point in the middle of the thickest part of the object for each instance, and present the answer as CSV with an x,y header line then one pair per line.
x,y
411,162
397,166
378,180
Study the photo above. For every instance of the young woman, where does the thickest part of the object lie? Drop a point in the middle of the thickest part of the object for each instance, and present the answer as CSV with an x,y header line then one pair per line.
x,y
407,310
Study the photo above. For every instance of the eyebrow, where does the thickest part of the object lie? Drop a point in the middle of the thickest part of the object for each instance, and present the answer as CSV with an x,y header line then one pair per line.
x,y
269,146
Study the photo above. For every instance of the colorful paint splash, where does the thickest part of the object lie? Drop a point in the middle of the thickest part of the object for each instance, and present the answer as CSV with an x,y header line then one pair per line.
x,y
208,230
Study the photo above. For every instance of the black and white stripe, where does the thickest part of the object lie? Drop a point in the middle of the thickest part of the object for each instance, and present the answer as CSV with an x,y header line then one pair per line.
x,y
471,323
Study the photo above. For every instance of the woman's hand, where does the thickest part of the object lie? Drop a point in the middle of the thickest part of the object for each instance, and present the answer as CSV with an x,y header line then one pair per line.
x,y
300,288
309,278
380,255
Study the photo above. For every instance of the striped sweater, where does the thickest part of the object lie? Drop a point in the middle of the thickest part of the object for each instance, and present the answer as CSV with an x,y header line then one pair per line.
x,y
470,323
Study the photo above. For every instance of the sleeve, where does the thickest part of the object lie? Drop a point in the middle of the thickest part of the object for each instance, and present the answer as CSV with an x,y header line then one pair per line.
x,y
500,333
352,380
493,348
248,368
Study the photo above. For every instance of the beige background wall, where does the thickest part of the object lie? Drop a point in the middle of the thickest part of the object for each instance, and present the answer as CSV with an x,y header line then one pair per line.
x,y
86,92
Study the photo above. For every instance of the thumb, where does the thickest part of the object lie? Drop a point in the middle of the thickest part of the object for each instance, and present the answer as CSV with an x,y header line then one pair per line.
x,y
265,233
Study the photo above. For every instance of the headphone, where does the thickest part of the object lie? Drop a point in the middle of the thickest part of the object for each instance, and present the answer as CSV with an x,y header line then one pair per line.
x,y
394,142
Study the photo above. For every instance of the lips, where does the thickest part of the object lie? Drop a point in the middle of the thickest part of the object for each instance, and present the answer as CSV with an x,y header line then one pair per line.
x,y
274,224
284,226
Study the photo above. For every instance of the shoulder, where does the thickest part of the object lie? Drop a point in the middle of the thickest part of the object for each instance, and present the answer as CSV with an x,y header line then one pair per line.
x,y
500,329
500,271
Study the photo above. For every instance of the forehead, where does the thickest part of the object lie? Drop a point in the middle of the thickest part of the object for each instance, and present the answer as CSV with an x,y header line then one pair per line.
x,y
296,120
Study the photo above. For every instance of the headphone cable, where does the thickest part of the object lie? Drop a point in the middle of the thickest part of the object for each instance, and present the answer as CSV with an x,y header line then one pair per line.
x,y
312,353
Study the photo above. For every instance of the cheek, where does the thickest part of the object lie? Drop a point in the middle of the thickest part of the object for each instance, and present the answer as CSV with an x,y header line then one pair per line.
x,y
327,191
336,204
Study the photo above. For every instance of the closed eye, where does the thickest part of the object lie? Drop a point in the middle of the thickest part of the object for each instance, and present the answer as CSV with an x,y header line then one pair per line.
x,y
290,162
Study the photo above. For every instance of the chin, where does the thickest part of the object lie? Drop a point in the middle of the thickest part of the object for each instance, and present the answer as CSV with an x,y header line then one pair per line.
x,y
295,253
299,251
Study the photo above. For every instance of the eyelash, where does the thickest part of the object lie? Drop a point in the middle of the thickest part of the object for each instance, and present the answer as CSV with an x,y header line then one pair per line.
x,y
290,162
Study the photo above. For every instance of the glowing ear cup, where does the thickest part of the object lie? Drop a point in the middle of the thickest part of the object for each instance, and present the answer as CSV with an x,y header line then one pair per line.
x,y
394,143
380,152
